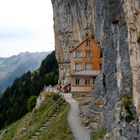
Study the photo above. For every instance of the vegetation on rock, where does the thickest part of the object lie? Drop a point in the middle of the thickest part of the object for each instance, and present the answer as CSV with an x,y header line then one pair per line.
x,y
31,103
98,135
126,104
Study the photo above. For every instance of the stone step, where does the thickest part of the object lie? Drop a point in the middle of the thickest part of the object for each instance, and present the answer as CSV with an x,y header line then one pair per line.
x,y
49,121
41,129
36,133
60,108
57,112
46,124
34,137
54,115
53,118
44,127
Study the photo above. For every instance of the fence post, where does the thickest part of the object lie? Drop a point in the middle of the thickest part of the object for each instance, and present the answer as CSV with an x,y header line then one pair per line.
x,y
58,104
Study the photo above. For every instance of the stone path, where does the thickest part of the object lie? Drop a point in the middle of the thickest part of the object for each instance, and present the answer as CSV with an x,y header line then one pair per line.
x,y
79,132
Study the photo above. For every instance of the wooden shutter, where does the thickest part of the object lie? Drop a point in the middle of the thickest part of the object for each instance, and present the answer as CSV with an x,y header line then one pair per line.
x,y
81,55
74,54
73,66
84,54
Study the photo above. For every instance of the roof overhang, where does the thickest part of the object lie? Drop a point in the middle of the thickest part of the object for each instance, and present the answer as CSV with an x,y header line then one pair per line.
x,y
88,37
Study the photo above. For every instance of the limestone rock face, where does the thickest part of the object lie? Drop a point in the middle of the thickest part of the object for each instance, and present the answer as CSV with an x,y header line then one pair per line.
x,y
116,26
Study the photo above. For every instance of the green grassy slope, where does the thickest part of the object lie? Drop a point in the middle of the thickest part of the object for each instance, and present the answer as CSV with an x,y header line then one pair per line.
x,y
59,129
26,126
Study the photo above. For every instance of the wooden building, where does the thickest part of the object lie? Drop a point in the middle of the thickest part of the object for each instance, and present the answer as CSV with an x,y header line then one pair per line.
x,y
86,64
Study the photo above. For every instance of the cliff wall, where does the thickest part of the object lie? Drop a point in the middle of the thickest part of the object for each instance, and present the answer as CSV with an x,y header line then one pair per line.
x,y
116,26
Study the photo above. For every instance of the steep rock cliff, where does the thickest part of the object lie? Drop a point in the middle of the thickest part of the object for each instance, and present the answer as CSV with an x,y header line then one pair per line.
x,y
116,26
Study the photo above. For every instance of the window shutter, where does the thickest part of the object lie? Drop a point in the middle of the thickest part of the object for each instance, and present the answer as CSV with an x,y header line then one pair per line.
x,y
84,67
84,54
81,55
81,66
74,54
73,66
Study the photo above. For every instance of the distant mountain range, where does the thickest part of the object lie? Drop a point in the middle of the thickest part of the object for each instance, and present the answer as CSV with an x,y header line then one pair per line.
x,y
14,66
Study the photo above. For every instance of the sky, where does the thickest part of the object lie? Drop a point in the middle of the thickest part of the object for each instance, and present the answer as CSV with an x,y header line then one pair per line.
x,y
25,25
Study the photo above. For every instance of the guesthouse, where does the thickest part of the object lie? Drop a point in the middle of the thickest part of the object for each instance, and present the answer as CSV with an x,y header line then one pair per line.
x,y
86,64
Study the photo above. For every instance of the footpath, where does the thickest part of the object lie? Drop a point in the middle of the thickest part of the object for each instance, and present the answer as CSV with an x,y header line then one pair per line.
x,y
79,132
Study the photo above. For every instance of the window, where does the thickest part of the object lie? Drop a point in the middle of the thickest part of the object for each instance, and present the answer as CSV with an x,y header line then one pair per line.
x,y
87,43
87,54
77,81
87,81
87,66
77,66
94,80
78,54
101,53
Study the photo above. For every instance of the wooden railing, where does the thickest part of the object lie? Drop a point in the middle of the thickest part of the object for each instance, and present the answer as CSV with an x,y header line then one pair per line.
x,y
47,115
54,107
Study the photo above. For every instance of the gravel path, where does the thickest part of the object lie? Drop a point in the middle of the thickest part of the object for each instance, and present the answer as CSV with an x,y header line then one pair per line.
x,y
79,132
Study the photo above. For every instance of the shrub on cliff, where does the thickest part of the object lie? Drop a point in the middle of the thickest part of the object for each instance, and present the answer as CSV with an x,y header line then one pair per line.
x,y
31,103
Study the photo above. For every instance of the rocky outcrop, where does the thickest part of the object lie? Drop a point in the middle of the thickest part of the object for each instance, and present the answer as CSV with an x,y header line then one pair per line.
x,y
118,29
116,26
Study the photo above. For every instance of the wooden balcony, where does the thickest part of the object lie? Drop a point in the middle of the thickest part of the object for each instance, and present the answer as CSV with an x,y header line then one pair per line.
x,y
82,89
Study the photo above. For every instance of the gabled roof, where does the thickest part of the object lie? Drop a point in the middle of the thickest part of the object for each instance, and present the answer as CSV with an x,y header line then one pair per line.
x,y
88,37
